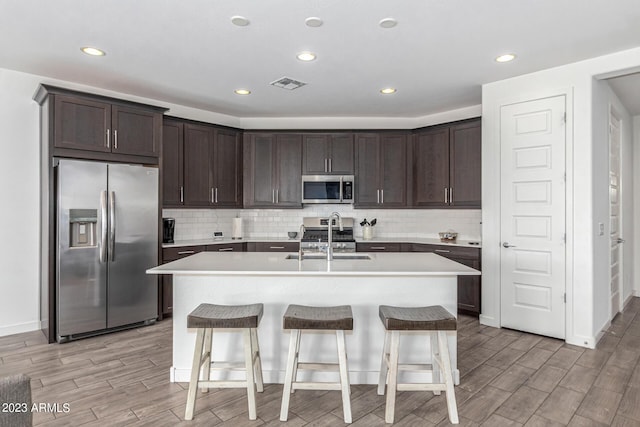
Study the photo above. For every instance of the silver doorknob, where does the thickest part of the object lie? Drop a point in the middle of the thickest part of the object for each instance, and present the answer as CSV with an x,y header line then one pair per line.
x,y
620,240
507,245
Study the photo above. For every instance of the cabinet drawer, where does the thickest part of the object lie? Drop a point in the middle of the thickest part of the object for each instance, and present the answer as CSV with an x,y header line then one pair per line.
x,y
172,254
379,247
226,247
274,247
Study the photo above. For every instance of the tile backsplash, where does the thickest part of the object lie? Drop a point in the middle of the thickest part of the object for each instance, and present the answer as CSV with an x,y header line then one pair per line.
x,y
195,224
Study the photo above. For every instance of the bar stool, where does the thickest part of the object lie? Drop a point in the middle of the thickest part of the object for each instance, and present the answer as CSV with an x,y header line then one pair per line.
x,y
439,323
298,318
206,318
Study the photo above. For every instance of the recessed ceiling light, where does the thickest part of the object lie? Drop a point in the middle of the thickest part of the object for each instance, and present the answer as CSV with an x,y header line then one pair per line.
x,y
313,21
388,23
242,91
388,90
240,21
306,56
93,51
506,57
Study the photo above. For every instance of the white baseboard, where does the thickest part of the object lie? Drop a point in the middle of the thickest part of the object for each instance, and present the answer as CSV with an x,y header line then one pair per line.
x,y
19,328
489,321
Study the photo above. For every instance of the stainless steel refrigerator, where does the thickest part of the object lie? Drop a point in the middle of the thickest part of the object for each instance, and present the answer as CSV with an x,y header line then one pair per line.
x,y
107,236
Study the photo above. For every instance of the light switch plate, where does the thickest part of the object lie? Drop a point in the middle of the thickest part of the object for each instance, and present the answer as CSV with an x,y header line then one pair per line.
x,y
601,229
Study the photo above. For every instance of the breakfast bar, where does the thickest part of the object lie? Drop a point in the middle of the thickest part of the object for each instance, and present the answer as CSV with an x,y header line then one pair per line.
x,y
362,280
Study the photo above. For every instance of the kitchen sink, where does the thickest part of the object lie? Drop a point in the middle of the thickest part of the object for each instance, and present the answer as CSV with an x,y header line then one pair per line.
x,y
336,257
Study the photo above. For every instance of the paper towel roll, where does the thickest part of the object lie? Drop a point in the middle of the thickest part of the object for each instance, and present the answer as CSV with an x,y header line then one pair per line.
x,y
236,228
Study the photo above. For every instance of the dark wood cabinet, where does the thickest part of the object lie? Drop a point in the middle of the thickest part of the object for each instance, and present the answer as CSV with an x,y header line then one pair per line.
x,y
273,246
96,124
381,170
172,163
273,170
469,287
168,255
446,166
379,247
201,165
227,247
328,154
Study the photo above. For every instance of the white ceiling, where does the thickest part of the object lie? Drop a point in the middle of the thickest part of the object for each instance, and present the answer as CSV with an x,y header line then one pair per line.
x,y
189,53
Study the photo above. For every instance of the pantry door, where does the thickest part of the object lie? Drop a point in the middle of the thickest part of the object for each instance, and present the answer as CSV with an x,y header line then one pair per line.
x,y
532,150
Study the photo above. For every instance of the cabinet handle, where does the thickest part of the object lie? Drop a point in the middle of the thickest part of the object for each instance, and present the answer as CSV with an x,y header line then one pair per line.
x,y
326,168
273,196
451,195
442,250
225,249
216,195
276,247
186,252
378,248
378,191
115,139
181,194
212,196
446,195
330,166
277,196
107,142
382,196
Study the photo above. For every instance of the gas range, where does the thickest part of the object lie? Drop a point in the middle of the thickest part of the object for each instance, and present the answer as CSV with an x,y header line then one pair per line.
x,y
315,236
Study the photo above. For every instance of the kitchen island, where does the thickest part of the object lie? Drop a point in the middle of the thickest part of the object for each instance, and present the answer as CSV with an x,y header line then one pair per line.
x,y
363,281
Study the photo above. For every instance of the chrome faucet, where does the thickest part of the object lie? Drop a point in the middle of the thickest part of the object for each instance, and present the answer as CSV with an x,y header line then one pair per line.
x,y
330,233
300,253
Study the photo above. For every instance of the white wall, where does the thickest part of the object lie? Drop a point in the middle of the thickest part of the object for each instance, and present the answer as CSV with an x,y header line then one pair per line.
x,y
575,81
636,206
19,178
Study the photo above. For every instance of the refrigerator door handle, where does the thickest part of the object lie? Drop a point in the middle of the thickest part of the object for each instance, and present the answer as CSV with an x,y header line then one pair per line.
x,y
103,226
112,226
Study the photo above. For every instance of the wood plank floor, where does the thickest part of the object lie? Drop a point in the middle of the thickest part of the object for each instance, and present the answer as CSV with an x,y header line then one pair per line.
x,y
508,379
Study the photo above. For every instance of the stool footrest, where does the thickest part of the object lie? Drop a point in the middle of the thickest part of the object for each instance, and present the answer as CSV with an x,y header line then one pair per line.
x,y
319,367
420,387
222,384
315,386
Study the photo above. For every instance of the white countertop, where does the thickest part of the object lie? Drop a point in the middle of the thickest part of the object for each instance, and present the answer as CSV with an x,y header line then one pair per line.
x,y
418,240
276,264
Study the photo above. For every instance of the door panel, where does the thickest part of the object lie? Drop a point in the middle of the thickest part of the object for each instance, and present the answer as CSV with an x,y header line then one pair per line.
x,y
133,294
136,131
82,124
466,148
81,282
615,215
172,163
367,170
198,142
315,154
289,170
394,175
341,154
227,169
431,168
533,216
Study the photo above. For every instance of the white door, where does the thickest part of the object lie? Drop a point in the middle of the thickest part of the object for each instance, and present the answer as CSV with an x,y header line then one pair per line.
x,y
614,216
532,149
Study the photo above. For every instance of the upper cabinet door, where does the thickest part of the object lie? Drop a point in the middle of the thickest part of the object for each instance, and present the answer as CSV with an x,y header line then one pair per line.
x,y
172,163
315,154
198,144
341,155
465,174
259,180
135,131
82,124
367,170
393,179
227,169
431,168
288,169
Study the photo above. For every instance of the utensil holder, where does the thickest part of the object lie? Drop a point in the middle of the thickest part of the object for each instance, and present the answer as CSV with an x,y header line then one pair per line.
x,y
367,232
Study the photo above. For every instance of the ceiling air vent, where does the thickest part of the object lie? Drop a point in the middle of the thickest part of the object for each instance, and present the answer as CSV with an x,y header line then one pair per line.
x,y
287,83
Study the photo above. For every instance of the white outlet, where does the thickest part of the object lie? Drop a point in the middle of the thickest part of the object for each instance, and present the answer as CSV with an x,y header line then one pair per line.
x,y
601,229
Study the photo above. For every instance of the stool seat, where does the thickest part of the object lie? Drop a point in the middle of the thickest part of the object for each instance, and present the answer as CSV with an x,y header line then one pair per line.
x,y
327,318
225,316
434,318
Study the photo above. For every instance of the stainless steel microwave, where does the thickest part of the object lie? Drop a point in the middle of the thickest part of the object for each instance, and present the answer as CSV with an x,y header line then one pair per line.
x,y
327,189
